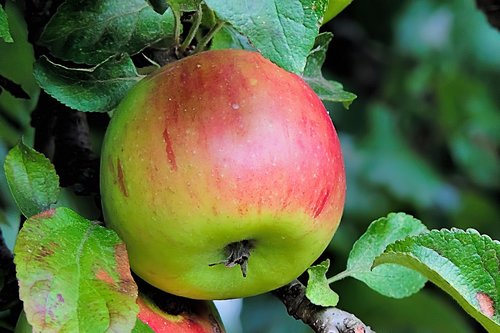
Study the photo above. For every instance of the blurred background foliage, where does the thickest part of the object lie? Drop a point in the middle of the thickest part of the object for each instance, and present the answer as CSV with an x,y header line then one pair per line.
x,y
423,137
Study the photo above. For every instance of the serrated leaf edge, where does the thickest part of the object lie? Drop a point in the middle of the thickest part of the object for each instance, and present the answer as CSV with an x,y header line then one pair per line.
x,y
391,256
22,146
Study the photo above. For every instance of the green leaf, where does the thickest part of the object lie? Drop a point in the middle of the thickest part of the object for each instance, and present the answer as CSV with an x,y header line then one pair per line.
x,y
228,38
74,275
327,90
4,27
185,5
423,312
464,264
92,31
22,325
98,89
318,290
283,31
334,8
32,179
141,327
389,280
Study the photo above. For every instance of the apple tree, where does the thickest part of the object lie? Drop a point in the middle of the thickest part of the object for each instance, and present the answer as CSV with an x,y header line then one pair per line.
x,y
164,154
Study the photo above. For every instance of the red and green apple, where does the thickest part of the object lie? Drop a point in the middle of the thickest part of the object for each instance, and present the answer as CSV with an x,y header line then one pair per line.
x,y
223,174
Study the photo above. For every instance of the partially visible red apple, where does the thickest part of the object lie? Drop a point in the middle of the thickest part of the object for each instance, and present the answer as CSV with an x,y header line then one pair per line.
x,y
199,317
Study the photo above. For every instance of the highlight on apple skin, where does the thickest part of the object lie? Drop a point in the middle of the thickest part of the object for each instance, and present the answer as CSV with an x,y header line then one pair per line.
x,y
223,174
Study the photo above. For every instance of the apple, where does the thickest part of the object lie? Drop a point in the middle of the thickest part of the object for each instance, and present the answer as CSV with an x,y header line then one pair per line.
x,y
223,174
334,8
199,317
194,317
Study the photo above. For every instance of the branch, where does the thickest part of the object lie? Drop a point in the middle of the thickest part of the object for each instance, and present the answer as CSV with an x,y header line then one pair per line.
x,y
76,163
61,134
321,319
9,293
491,9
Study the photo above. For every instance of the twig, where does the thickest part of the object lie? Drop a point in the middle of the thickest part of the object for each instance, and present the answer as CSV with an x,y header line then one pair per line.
x,y
491,9
61,134
74,159
208,37
192,31
9,293
321,319
177,27
15,89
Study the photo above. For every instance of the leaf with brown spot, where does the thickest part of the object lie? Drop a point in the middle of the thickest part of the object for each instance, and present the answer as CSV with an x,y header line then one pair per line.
x,y
465,264
74,275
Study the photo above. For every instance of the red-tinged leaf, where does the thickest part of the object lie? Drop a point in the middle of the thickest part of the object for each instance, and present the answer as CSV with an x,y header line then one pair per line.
x,y
74,275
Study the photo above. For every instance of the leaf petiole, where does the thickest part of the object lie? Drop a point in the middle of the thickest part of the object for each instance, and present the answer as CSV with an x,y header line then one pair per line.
x,y
208,37
177,26
339,276
192,31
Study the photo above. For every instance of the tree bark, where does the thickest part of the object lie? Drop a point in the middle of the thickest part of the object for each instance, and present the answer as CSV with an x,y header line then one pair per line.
x,y
9,292
320,319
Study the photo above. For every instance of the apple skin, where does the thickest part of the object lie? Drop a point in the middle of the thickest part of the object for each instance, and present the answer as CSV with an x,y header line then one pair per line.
x,y
202,317
217,148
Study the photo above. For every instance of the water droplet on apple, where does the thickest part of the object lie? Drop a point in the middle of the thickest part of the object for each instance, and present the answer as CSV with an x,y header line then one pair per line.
x,y
235,106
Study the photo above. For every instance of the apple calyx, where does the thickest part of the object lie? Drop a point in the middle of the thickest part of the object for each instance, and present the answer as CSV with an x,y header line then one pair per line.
x,y
237,253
